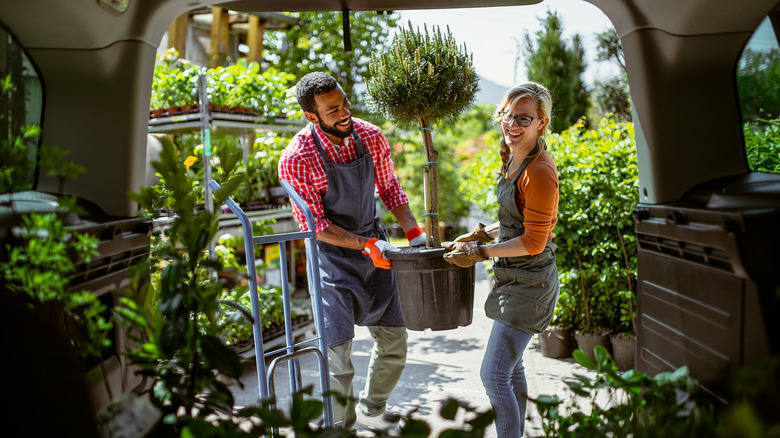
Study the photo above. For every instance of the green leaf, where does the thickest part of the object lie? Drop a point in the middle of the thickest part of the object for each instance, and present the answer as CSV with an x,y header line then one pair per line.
x,y
221,357
583,359
415,429
449,409
482,420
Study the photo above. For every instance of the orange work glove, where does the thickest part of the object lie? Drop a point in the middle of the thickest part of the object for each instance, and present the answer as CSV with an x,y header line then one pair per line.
x,y
416,237
377,250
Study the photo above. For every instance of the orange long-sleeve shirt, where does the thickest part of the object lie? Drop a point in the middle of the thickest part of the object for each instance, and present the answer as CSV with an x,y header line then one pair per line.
x,y
537,200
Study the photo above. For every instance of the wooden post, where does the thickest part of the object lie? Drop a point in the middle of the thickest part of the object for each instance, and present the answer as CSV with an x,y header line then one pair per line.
x,y
220,27
177,34
254,38
431,186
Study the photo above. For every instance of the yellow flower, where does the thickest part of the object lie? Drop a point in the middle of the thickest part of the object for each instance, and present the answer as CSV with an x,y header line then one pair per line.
x,y
190,161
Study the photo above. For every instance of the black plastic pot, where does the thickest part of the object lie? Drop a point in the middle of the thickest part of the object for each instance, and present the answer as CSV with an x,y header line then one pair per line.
x,y
557,342
434,294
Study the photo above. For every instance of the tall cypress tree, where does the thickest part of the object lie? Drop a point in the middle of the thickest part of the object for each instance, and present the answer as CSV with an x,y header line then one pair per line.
x,y
558,65
611,95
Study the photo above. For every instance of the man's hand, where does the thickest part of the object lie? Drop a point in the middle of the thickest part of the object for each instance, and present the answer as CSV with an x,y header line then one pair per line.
x,y
377,250
465,258
416,237
478,234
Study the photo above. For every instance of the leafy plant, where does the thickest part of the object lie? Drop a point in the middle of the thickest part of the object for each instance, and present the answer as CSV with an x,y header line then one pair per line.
x,y
262,167
419,80
239,85
671,404
242,85
38,263
175,82
16,173
762,145
178,337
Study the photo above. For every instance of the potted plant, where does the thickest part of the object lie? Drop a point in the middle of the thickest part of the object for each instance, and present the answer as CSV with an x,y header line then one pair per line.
x,y
557,341
420,80
623,340
597,248
175,84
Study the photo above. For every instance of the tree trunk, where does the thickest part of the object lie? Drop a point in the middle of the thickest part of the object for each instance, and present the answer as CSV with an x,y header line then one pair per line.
x,y
431,186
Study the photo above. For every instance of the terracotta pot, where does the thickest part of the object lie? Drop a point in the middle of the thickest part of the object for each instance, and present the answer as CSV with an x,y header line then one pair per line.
x,y
557,342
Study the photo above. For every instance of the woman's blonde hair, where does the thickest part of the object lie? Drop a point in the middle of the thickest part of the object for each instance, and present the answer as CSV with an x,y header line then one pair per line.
x,y
531,90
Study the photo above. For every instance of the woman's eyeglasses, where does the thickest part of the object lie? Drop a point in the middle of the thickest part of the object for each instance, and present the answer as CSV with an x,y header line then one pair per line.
x,y
524,121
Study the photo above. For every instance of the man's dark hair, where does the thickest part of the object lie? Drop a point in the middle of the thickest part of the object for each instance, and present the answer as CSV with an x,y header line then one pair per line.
x,y
311,85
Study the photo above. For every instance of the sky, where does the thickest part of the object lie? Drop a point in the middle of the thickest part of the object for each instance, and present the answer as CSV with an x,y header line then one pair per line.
x,y
494,35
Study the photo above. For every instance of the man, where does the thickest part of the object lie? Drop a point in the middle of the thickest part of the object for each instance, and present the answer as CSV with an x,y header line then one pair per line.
x,y
335,164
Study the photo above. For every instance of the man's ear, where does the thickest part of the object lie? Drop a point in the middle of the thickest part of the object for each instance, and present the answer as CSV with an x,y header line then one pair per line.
x,y
312,117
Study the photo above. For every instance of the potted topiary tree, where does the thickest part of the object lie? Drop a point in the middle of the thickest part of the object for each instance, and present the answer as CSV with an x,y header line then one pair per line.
x,y
420,80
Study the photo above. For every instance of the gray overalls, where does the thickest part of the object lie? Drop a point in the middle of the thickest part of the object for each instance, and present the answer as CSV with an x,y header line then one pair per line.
x,y
526,287
354,291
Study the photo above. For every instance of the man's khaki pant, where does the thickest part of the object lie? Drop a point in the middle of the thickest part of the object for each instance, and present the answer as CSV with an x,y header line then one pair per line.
x,y
388,358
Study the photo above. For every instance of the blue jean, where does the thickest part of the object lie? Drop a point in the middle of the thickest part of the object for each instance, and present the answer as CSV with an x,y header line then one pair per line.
x,y
503,376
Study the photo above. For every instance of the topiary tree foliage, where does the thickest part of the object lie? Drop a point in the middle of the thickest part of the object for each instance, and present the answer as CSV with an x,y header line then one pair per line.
x,y
422,79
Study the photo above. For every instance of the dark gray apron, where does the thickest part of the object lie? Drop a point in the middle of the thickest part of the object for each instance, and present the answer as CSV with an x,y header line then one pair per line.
x,y
526,287
354,291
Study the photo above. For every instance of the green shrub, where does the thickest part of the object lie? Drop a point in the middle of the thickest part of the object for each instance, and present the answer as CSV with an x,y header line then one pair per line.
x,y
596,236
762,145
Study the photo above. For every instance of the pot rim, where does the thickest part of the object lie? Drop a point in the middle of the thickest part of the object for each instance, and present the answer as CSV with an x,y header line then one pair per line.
x,y
411,253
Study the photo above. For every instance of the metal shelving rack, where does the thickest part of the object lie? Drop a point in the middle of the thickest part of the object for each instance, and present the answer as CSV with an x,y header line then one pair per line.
x,y
208,122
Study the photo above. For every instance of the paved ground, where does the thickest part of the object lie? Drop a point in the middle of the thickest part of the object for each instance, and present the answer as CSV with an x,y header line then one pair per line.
x,y
441,364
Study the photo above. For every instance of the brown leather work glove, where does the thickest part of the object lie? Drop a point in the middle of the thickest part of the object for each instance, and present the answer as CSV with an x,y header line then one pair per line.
x,y
464,259
478,234
463,246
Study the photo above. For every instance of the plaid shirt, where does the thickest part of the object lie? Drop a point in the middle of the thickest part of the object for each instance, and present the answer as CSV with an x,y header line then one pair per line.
x,y
302,166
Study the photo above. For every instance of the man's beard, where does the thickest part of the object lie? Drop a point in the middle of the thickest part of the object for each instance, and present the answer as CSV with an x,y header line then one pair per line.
x,y
336,131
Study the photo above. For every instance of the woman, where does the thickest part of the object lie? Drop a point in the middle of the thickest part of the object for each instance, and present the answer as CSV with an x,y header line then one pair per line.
x,y
523,297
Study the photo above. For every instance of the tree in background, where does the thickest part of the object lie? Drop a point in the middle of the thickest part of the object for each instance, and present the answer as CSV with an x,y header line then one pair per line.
x,y
611,95
558,65
318,44
758,84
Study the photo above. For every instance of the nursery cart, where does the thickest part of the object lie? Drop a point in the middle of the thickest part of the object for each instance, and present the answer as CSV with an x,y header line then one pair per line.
x,y
292,350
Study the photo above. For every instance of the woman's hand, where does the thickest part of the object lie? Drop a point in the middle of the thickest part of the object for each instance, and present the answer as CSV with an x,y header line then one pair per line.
x,y
477,234
464,254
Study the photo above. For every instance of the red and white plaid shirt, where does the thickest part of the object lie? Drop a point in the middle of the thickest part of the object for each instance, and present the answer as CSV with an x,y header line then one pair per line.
x,y
302,166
